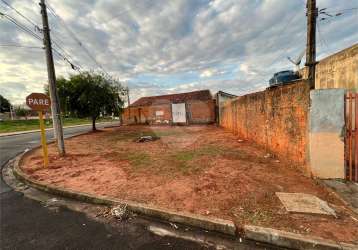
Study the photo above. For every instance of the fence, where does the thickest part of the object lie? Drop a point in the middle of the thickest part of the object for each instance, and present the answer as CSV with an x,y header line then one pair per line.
x,y
351,138
276,119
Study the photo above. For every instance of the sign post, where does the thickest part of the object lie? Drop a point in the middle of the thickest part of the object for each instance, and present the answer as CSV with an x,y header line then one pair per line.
x,y
43,139
40,102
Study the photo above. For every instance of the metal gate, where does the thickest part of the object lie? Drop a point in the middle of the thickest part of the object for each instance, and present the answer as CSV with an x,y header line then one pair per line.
x,y
351,136
179,112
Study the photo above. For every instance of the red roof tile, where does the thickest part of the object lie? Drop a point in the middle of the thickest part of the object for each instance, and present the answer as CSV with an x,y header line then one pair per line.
x,y
202,95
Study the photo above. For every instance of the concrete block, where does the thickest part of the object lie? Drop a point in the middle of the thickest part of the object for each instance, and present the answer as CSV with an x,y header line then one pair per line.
x,y
325,133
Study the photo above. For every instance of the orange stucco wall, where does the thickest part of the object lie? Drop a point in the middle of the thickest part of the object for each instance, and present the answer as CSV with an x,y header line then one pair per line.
x,y
276,119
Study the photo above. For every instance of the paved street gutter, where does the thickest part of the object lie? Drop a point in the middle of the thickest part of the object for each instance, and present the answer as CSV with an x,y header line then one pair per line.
x,y
259,234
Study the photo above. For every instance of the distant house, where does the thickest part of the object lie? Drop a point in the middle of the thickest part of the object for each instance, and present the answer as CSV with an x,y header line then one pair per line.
x,y
197,107
221,97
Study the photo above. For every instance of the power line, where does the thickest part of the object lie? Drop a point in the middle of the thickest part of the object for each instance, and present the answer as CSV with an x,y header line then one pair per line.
x,y
321,38
74,37
60,47
23,16
329,15
20,26
73,66
37,28
344,10
63,55
33,34
20,46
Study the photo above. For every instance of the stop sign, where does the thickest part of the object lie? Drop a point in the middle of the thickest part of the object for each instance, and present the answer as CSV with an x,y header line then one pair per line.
x,y
38,101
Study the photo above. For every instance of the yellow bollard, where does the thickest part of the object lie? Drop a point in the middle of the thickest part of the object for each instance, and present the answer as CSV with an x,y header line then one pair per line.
x,y
43,139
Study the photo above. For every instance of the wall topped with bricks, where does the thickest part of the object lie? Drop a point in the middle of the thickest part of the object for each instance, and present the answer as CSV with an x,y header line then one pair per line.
x,y
276,119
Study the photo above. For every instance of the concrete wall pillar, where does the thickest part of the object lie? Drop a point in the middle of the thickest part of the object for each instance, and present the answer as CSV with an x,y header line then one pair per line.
x,y
326,133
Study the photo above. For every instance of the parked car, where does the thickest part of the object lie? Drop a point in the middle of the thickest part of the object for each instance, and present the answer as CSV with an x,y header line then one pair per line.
x,y
283,77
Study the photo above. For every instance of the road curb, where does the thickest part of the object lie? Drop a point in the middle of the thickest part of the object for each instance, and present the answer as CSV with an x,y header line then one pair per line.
x,y
206,223
254,233
292,240
48,129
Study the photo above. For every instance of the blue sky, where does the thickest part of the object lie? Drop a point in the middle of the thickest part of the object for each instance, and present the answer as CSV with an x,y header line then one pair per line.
x,y
159,46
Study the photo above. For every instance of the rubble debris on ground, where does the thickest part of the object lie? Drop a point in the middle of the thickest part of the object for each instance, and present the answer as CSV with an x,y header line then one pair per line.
x,y
173,225
268,155
304,203
51,202
147,138
120,212
105,213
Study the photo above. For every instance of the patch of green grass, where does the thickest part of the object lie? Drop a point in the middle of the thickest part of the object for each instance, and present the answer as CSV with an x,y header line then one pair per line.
x,y
136,159
183,159
185,156
24,125
13,126
189,160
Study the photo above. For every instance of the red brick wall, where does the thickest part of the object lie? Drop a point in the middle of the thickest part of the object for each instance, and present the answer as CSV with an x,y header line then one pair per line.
x,y
165,118
147,114
201,111
134,112
198,112
276,119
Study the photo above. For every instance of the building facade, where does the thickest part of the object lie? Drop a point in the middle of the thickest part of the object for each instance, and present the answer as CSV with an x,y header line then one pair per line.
x,y
197,107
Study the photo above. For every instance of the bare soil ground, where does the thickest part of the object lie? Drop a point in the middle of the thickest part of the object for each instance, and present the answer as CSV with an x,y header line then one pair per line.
x,y
197,169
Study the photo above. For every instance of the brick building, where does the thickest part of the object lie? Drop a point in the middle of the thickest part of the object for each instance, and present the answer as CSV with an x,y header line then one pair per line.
x,y
197,107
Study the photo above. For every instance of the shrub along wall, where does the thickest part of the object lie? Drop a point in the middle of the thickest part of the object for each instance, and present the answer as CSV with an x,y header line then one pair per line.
x,y
276,118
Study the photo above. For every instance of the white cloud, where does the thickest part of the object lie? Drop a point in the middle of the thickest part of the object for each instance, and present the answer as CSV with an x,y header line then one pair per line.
x,y
207,73
170,39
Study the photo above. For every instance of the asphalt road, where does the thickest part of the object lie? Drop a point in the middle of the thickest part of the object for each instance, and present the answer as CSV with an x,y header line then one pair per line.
x,y
28,224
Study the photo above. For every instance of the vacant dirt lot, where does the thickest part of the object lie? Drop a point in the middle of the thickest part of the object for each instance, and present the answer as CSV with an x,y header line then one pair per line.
x,y
198,169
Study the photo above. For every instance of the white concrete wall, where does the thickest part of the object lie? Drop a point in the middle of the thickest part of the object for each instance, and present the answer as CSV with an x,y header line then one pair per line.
x,y
326,133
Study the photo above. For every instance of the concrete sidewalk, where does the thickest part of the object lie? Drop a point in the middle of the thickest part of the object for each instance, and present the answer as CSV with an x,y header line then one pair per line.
x,y
348,191
48,129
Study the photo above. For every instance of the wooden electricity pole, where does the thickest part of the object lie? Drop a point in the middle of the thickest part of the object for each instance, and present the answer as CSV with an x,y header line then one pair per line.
x,y
129,110
55,104
312,13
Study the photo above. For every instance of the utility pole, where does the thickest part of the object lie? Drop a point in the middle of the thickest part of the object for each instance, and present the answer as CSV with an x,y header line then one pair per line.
x,y
11,114
129,110
312,13
55,104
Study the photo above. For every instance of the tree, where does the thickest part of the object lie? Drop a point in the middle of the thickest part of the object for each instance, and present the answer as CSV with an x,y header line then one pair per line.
x,y
64,90
4,104
89,95
21,111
